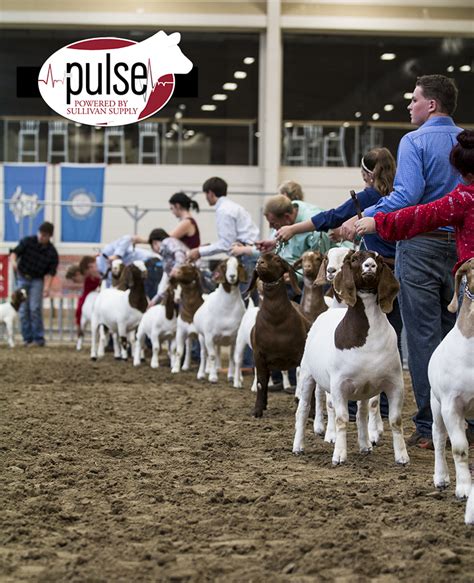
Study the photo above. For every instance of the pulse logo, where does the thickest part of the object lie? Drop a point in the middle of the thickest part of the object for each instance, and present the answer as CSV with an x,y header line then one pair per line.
x,y
112,81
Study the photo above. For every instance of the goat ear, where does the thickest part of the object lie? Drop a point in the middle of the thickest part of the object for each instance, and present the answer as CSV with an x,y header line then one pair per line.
x,y
242,274
387,289
169,303
129,278
298,263
344,285
454,305
293,279
321,277
252,284
219,274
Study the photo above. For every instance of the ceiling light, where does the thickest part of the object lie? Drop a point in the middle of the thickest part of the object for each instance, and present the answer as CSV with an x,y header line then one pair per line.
x,y
169,135
208,107
375,116
240,75
407,95
97,128
288,124
178,115
465,68
219,97
181,106
257,134
346,124
77,124
450,69
388,107
358,114
229,86
388,56
190,133
249,61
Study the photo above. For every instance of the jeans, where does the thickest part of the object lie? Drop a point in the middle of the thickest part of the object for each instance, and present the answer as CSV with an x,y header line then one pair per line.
x,y
424,270
31,310
249,264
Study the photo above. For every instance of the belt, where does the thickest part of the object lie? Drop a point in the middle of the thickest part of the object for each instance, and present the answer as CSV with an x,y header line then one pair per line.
x,y
446,236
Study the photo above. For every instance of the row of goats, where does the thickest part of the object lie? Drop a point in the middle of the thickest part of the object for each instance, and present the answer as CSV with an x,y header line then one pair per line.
x,y
347,351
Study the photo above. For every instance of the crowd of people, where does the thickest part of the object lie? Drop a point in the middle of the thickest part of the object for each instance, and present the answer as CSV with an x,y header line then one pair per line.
x,y
418,201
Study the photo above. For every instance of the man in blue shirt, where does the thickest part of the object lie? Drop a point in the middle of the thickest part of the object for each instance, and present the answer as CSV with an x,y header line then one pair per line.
x,y
424,264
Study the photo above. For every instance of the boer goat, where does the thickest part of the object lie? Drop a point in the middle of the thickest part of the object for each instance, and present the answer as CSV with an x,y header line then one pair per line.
x,y
120,310
312,301
352,354
159,324
451,376
9,313
280,330
217,320
86,316
188,277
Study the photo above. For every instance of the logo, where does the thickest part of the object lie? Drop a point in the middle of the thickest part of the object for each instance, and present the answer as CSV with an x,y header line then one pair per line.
x,y
24,205
109,81
81,204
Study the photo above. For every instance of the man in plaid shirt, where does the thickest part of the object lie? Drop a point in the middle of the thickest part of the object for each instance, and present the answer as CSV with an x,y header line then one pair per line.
x,y
33,259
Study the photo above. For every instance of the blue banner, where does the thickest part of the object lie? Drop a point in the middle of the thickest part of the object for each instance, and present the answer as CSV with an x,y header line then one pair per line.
x,y
82,187
24,187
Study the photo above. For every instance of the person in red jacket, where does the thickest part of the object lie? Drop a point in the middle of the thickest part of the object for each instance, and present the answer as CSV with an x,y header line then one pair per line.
x,y
455,208
86,272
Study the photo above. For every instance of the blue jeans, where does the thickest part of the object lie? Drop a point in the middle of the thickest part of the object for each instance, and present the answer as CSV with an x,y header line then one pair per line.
x,y
424,270
249,264
31,310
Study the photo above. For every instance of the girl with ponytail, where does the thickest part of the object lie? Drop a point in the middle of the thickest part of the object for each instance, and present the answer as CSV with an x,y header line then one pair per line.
x,y
187,230
456,208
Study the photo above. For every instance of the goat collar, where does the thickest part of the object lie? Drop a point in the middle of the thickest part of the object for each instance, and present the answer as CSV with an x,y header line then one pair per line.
x,y
272,283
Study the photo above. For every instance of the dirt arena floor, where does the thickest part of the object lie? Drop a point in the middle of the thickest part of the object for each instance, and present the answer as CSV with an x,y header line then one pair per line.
x,y
111,473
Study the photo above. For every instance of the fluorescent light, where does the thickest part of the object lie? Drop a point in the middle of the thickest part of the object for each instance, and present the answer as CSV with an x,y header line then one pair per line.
x,y
219,97
208,107
288,124
450,69
346,124
388,107
375,116
181,106
178,115
229,86
249,61
407,95
169,135
77,124
465,68
358,114
240,75
388,56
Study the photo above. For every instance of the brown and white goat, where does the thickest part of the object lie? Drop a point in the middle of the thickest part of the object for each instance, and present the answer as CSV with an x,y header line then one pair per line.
x,y
217,320
352,354
451,376
9,313
279,334
188,277
312,302
120,309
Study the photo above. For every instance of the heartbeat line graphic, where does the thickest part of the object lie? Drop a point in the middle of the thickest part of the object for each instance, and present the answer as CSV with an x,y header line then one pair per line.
x,y
50,75
149,77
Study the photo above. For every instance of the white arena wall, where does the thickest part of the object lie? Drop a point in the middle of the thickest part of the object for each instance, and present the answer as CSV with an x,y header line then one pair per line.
x,y
151,187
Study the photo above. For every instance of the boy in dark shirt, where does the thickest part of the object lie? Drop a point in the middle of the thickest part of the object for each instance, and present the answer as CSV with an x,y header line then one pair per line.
x,y
33,259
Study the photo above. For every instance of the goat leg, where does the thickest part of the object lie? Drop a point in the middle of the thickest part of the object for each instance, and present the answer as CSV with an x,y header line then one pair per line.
x,y
263,375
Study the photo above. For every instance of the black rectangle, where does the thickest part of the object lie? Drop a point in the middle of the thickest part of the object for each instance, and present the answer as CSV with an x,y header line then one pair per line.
x,y
187,85
27,82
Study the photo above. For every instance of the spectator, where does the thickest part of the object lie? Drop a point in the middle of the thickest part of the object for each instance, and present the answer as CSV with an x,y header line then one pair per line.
x,y
34,261
292,190
87,274
280,211
424,263
187,230
233,222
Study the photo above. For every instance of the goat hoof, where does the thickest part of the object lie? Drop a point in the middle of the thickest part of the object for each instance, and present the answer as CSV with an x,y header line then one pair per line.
x,y
257,413
365,450
118,357
94,358
462,492
298,452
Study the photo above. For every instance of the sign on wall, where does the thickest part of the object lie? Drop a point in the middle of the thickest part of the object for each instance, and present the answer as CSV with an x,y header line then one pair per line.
x,y
24,188
82,189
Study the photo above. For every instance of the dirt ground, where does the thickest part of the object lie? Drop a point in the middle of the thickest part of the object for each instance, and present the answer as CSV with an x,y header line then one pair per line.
x,y
111,473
